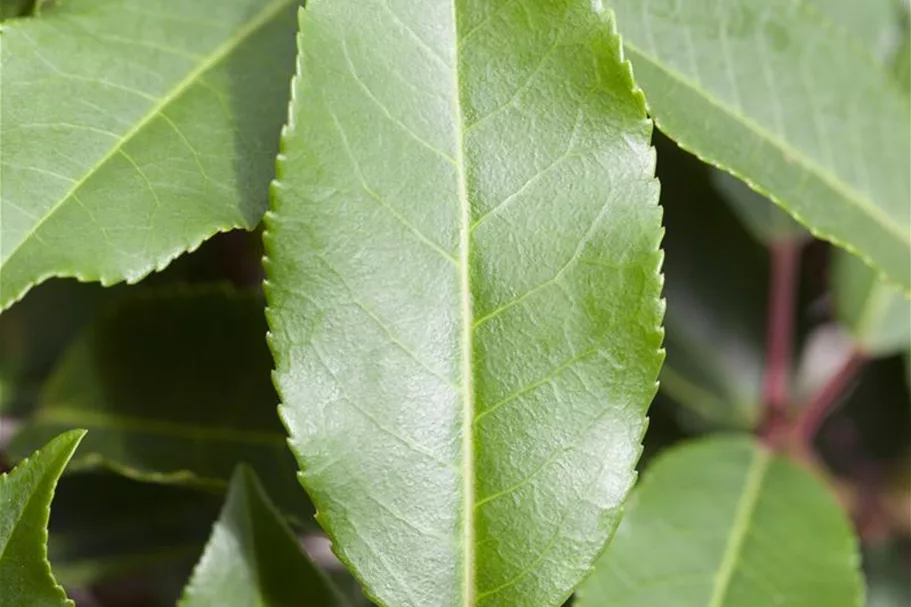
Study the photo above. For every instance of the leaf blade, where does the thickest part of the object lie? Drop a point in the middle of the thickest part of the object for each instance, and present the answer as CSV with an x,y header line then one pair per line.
x,y
395,381
190,404
253,558
25,573
148,130
805,122
748,522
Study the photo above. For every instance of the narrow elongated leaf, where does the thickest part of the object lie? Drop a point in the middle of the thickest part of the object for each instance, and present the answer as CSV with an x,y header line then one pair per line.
x,y
25,500
464,292
724,523
254,560
876,313
187,406
776,94
132,131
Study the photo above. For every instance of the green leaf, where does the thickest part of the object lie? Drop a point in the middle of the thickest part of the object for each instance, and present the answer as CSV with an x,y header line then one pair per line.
x,y
724,523
716,295
132,132
25,501
14,8
187,406
34,334
777,95
254,560
463,281
874,23
767,222
875,313
135,527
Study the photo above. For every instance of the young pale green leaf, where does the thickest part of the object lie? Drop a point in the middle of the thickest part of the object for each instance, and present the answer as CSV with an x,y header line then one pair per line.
x,y
766,221
132,131
254,560
724,523
463,285
187,406
716,297
104,526
25,501
876,313
776,94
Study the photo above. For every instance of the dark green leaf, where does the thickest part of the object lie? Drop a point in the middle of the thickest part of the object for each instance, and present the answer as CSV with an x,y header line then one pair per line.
x,y
464,292
767,222
188,405
716,297
254,560
25,501
776,94
104,526
724,523
132,131
35,333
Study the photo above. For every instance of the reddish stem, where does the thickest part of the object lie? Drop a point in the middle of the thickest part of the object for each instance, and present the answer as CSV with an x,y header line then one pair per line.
x,y
780,332
822,403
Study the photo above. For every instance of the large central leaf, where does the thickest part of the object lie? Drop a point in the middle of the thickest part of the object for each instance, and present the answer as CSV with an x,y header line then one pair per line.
x,y
464,291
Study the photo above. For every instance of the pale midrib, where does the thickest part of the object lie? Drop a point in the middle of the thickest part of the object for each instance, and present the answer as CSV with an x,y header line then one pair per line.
x,y
213,59
465,308
746,507
824,175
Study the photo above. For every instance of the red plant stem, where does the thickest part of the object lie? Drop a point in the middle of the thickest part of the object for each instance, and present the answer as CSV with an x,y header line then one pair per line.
x,y
822,403
780,330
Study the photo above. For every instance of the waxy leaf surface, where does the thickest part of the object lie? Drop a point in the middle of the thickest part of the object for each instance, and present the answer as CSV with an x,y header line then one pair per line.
x,y
463,286
132,131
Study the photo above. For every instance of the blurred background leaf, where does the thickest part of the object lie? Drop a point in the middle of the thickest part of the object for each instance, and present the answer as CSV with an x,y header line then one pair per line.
x,y
174,385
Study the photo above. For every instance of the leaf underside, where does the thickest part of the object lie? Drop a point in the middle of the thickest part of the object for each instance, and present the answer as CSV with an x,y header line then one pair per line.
x,y
781,97
25,500
131,132
463,286
724,523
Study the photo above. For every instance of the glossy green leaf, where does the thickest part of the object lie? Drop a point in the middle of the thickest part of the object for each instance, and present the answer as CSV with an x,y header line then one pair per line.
x,y
254,560
716,299
876,313
25,501
131,132
776,94
104,526
724,523
464,291
766,221
187,406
